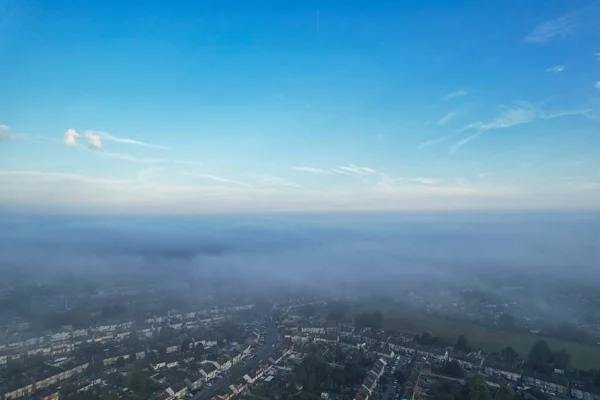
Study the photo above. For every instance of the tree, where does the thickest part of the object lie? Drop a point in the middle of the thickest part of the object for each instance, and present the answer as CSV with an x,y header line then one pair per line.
x,y
462,344
441,390
509,355
478,389
199,351
162,350
453,369
504,393
383,380
426,338
110,395
120,362
399,376
373,321
185,344
540,357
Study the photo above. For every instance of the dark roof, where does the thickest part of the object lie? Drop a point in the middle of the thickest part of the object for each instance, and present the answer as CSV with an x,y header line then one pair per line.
x,y
208,367
556,379
179,386
504,367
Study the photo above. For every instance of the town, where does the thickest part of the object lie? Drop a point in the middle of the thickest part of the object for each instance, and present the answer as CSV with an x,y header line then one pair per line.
x,y
303,348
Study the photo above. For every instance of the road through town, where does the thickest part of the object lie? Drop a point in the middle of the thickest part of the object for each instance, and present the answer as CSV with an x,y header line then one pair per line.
x,y
263,352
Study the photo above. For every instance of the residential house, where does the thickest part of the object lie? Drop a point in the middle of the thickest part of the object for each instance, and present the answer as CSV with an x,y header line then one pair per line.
x,y
194,382
582,391
49,395
209,369
557,384
173,349
502,370
180,390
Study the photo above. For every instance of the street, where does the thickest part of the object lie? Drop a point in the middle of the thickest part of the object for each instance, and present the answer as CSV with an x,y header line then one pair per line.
x,y
262,353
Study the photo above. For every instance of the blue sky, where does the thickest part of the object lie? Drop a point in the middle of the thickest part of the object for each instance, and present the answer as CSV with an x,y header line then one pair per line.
x,y
183,107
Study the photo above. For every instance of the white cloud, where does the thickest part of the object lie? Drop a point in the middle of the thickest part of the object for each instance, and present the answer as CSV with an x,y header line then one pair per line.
x,y
483,175
352,169
446,118
597,55
116,139
464,141
556,68
312,170
517,114
70,138
457,93
597,85
93,140
133,159
5,135
268,180
560,27
419,180
217,179
49,192
432,142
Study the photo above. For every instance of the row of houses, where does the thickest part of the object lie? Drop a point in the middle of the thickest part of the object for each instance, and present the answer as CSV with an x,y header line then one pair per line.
x,y
209,370
368,387
123,329
45,380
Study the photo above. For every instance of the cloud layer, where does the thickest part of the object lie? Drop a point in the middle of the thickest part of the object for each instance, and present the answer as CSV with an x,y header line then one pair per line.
x,y
39,191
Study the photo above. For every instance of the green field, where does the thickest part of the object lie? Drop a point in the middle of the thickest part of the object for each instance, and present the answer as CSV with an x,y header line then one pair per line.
x,y
582,356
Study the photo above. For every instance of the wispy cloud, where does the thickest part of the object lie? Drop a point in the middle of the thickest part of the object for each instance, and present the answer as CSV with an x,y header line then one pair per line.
x,y
597,56
133,159
6,135
116,139
144,160
312,170
446,118
432,142
483,175
516,114
269,180
456,93
217,179
560,27
597,85
556,68
95,139
354,170
464,141
564,25
420,180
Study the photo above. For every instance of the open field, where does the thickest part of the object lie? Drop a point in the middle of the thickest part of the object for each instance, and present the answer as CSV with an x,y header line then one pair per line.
x,y
582,356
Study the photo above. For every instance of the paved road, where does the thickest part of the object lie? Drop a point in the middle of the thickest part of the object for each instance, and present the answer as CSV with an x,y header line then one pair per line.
x,y
262,353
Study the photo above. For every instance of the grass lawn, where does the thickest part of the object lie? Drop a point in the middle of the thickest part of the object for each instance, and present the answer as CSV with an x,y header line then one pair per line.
x,y
582,356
